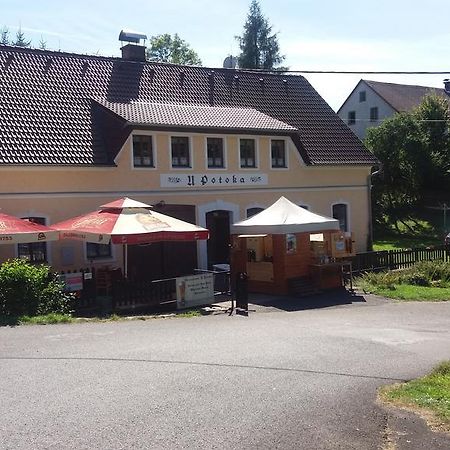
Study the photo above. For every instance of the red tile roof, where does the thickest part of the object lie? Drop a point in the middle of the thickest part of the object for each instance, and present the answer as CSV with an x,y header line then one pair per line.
x,y
48,114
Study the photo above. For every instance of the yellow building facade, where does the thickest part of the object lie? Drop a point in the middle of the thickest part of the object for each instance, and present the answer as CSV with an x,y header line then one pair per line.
x,y
211,146
58,193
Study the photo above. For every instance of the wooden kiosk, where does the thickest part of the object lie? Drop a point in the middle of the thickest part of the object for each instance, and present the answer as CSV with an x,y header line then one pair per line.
x,y
286,244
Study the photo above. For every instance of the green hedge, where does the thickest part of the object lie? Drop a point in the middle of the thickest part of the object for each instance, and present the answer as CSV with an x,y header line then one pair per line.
x,y
27,289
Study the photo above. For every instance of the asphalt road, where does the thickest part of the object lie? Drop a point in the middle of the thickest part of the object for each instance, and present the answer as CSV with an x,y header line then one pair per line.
x,y
302,379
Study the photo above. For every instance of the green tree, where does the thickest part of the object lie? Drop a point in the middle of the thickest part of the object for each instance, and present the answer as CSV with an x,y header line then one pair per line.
x,y
259,46
42,43
397,144
21,41
433,116
4,36
414,149
165,48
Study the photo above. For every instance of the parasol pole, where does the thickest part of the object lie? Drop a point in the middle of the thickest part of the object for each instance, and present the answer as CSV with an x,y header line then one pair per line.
x,y
125,260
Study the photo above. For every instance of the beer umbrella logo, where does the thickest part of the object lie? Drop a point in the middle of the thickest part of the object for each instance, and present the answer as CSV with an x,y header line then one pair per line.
x,y
41,236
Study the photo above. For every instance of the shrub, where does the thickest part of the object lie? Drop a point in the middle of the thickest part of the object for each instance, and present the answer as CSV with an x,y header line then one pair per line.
x,y
382,279
416,279
424,273
27,289
442,369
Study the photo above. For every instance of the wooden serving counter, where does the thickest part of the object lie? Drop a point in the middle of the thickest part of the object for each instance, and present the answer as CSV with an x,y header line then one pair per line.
x,y
260,271
327,275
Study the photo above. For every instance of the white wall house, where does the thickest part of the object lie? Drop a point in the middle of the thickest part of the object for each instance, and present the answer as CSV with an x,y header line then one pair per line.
x,y
371,102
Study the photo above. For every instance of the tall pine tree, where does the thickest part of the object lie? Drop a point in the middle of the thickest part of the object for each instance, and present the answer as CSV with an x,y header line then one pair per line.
x,y
20,39
4,36
259,46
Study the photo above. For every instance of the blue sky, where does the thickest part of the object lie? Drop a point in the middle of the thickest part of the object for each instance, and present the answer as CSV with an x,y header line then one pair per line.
x,y
390,35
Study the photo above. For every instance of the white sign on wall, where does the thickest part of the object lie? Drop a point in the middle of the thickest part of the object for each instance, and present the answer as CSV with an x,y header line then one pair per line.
x,y
221,180
195,290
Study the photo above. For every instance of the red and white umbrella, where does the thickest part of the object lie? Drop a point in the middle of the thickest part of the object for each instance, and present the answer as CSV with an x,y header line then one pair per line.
x,y
14,230
126,221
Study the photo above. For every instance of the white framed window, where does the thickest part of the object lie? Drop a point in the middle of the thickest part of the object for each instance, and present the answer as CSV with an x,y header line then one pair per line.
x,y
278,153
351,118
362,96
34,252
143,154
253,211
247,153
95,252
374,114
215,152
340,212
180,152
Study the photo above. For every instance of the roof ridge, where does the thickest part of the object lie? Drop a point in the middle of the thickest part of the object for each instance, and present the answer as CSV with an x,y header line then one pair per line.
x,y
401,84
182,105
13,48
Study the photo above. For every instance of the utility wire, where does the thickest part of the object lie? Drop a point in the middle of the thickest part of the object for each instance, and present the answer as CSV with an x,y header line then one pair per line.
x,y
388,117
350,72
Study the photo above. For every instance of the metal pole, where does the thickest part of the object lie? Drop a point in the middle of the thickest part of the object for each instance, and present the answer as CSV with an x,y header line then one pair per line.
x,y
125,260
445,217
369,203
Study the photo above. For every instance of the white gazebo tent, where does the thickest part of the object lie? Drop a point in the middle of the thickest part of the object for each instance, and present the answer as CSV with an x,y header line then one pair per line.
x,y
285,242
285,217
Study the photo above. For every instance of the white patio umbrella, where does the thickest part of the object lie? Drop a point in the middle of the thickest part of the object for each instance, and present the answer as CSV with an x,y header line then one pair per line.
x,y
126,221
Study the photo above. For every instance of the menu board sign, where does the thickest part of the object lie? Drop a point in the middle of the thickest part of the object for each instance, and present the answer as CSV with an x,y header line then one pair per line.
x,y
195,290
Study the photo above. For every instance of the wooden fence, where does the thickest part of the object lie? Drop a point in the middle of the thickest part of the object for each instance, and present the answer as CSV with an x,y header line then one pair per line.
x,y
128,295
397,259
102,294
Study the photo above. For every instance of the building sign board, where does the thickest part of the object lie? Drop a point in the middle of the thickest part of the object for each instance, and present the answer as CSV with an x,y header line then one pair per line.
x,y
73,281
218,180
195,290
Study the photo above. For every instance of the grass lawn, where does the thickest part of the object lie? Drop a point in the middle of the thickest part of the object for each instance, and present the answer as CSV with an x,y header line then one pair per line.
x,y
429,395
408,292
425,230
36,320
67,318
397,242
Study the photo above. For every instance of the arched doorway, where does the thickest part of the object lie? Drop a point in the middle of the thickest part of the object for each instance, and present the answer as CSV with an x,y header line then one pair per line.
x,y
218,245
202,210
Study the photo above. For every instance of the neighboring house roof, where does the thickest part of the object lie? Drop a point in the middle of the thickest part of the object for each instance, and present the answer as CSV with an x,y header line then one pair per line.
x,y
48,112
195,116
403,97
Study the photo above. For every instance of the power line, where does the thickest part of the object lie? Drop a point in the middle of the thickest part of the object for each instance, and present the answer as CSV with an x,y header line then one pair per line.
x,y
373,72
418,120
351,72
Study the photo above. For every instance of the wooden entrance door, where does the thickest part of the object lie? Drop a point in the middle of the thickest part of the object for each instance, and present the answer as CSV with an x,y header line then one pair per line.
x,y
218,224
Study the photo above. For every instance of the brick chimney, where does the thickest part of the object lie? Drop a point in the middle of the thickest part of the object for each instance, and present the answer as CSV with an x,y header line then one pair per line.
x,y
132,52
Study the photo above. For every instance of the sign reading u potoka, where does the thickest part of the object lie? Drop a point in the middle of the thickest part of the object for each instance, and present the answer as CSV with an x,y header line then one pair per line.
x,y
219,180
